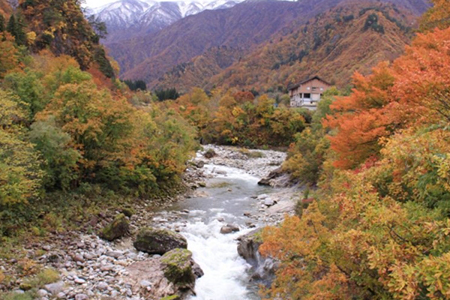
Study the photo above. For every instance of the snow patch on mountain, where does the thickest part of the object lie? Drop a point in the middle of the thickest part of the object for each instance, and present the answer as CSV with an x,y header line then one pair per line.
x,y
145,16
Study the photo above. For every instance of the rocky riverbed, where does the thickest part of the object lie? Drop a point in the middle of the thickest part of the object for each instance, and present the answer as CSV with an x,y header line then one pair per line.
x,y
92,268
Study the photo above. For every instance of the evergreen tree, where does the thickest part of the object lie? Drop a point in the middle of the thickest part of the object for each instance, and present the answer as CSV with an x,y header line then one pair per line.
x,y
21,37
15,27
11,27
2,23
167,94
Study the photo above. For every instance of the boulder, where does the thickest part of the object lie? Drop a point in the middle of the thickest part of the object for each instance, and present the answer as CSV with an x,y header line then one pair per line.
x,y
158,241
128,211
277,178
248,246
229,228
198,163
263,268
177,266
210,153
116,229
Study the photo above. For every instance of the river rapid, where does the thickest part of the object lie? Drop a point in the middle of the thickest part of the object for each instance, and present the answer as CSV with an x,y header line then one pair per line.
x,y
231,195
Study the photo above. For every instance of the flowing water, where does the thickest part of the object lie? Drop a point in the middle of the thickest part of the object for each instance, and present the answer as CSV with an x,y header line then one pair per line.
x,y
225,199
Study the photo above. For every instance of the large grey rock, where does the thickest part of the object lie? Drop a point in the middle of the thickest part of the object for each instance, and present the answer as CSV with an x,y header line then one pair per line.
x,y
158,241
116,229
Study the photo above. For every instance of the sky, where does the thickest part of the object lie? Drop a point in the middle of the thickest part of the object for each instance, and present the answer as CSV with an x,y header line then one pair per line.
x,y
97,3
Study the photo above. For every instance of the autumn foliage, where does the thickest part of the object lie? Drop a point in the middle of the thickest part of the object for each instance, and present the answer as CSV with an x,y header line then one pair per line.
x,y
379,227
68,126
238,118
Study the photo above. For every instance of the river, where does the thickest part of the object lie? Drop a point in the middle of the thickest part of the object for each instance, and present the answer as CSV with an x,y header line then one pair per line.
x,y
230,197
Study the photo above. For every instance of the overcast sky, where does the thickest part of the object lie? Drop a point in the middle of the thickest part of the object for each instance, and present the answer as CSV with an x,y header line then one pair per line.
x,y
97,3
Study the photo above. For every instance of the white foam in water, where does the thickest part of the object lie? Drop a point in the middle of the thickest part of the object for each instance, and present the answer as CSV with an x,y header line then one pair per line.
x,y
229,172
225,272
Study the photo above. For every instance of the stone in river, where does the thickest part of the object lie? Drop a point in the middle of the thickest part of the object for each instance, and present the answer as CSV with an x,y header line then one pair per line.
x,y
158,241
229,228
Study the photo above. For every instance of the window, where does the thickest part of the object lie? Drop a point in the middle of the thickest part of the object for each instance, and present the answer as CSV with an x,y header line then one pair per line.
x,y
307,95
308,88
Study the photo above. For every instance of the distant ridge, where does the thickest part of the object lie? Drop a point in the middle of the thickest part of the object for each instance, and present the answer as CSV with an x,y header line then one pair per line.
x,y
242,27
131,18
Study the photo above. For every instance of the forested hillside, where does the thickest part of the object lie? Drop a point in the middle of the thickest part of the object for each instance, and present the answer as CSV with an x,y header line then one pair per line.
x,y
68,126
377,227
243,27
240,27
351,37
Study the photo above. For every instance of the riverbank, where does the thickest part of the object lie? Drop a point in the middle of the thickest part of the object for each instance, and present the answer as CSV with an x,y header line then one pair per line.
x,y
91,268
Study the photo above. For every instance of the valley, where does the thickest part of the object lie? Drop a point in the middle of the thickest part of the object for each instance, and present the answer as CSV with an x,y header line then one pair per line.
x,y
224,150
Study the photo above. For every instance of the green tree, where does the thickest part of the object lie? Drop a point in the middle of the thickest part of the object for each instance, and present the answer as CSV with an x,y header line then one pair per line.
x,y
27,85
20,175
60,159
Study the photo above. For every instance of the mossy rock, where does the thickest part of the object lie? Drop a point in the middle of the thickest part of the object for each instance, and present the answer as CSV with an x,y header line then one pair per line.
x,y
158,241
173,297
177,266
116,229
26,286
127,211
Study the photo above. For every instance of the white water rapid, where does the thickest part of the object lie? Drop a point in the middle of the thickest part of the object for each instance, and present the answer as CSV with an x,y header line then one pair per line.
x,y
226,198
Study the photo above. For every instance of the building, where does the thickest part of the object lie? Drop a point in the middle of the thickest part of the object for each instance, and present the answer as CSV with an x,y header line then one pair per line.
x,y
308,93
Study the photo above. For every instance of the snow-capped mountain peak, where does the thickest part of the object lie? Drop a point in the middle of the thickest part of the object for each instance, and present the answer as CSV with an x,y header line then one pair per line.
x,y
149,15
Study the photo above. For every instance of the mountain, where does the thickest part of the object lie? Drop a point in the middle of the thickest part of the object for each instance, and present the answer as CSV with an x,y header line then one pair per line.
x,y
241,27
127,18
200,69
350,37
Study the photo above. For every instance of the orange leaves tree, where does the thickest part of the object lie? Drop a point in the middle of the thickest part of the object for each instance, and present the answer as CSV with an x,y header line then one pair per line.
x,y
361,240
360,120
437,16
414,90
379,228
423,79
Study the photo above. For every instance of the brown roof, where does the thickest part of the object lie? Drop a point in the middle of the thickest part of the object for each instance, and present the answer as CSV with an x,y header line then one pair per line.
x,y
309,79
